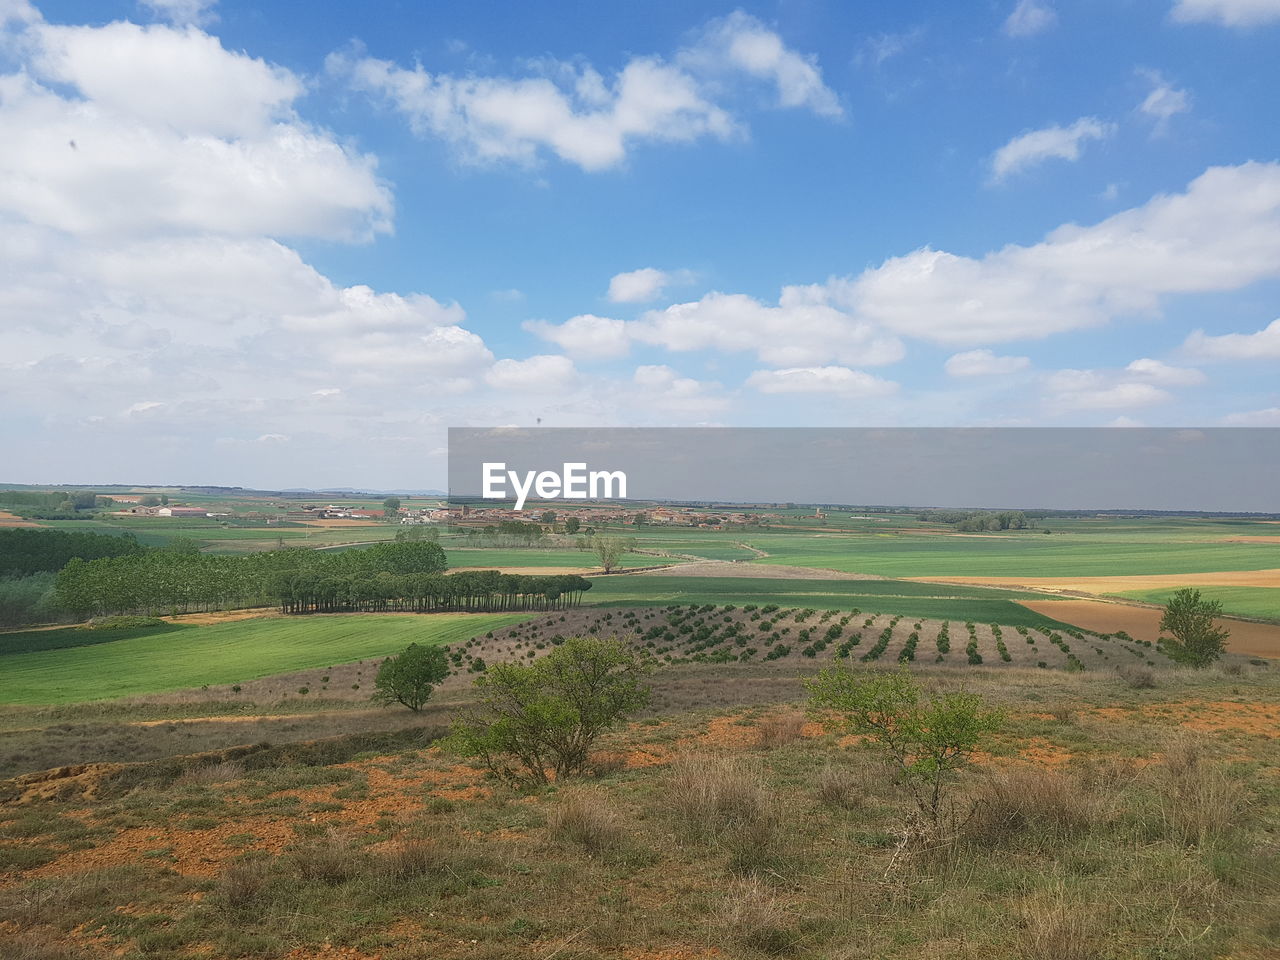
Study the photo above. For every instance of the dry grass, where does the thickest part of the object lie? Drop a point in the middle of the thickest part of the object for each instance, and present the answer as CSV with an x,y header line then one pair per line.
x,y
756,919
584,816
1030,799
839,787
1056,928
726,801
1199,801
778,730
330,860
212,773
241,885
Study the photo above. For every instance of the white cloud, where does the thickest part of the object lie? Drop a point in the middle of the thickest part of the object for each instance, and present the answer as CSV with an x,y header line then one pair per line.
x,y
1270,417
541,374
984,363
1263,345
1222,233
803,329
1164,101
167,131
830,379
17,11
741,41
641,286
183,11
659,387
1032,148
1030,17
1164,375
1231,13
1094,390
585,336
574,112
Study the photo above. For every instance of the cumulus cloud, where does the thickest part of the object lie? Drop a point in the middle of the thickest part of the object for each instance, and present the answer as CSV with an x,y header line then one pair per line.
x,y
659,387
1263,345
1222,233
574,112
802,329
1030,17
984,363
644,285
1069,390
1270,417
168,131
1051,143
586,336
1231,13
1160,373
830,379
541,374
1164,101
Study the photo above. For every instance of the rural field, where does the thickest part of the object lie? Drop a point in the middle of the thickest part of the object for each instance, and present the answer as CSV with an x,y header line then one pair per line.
x,y
193,773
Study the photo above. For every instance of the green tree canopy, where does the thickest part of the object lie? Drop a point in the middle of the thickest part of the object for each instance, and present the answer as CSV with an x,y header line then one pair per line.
x,y
1194,638
543,717
410,677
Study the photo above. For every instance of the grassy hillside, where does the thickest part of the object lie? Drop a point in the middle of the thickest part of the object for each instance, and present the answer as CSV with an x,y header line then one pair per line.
x,y
157,661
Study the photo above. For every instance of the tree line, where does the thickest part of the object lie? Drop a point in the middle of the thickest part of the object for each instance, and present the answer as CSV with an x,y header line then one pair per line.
x,y
27,550
403,576
976,521
475,591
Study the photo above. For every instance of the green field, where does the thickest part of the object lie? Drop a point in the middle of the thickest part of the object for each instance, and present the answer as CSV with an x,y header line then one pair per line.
x,y
1262,603
943,602
537,557
155,661
1020,554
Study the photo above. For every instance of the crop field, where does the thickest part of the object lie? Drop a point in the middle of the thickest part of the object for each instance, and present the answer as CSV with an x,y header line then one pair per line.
x,y
227,653
1024,554
1260,602
910,599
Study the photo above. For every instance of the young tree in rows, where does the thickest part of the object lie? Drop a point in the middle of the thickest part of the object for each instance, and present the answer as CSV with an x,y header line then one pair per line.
x,y
409,678
539,720
1195,638
927,741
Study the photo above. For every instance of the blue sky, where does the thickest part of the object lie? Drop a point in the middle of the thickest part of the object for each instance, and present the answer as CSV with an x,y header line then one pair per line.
x,y
275,244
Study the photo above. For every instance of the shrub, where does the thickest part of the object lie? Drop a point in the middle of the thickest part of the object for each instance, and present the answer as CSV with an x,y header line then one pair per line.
x,y
928,742
1199,801
545,716
122,622
1137,678
757,920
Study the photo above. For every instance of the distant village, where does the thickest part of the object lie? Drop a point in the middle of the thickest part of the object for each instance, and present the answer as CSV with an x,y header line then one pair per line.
x,y
462,515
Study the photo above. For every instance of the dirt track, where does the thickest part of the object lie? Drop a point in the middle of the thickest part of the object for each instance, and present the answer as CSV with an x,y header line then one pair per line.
x,y
1143,623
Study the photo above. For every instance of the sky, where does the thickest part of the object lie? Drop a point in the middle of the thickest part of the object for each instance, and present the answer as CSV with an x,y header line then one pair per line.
x,y
279,245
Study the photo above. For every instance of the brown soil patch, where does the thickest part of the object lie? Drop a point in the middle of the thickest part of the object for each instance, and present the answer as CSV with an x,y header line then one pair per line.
x,y
224,616
1250,539
8,519
758,571
1100,585
1143,623
1210,716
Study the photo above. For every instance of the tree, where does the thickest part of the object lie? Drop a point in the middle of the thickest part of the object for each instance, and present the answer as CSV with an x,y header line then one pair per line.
x,y
150,500
542,718
572,525
548,516
609,550
1195,638
390,507
928,742
410,677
